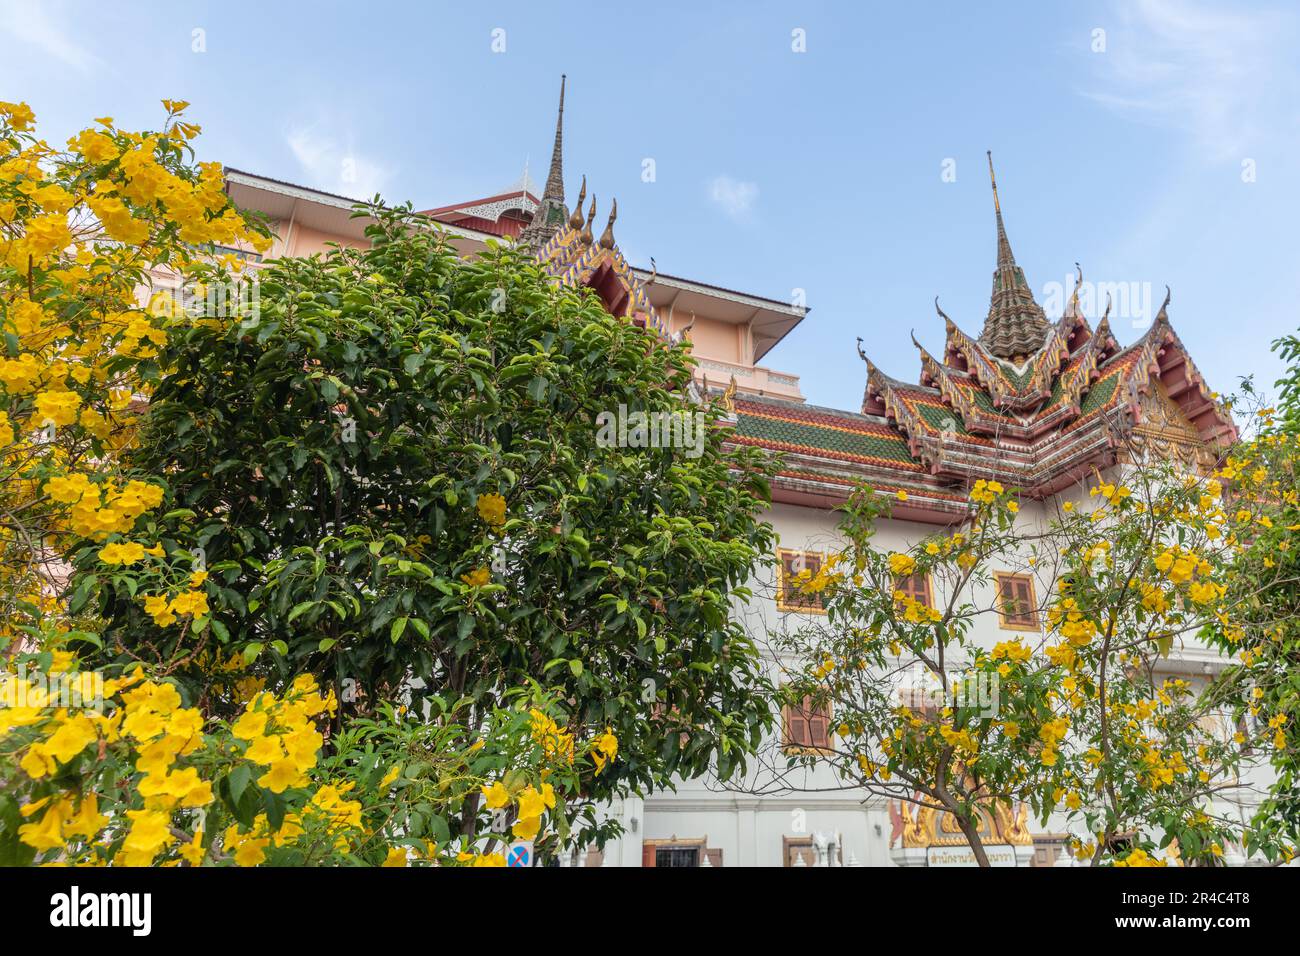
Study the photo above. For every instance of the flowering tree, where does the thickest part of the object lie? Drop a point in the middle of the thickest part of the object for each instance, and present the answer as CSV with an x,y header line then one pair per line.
x,y
1083,720
82,231
126,764
1263,635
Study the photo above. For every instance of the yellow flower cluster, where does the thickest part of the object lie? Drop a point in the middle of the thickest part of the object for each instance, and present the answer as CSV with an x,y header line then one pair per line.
x,y
1066,617
281,735
192,602
532,803
100,508
914,611
985,492
1114,494
604,749
151,720
1051,733
557,744
1140,857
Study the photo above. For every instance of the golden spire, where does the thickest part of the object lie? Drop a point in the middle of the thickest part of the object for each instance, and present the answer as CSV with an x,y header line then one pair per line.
x,y
591,215
993,179
607,237
575,221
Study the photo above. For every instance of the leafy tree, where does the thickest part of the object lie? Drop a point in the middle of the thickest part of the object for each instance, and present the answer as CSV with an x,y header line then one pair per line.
x,y
388,473
1264,637
1077,719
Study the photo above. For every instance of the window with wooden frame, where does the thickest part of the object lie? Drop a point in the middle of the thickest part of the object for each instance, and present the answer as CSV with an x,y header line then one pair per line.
x,y
789,567
806,728
916,586
1017,607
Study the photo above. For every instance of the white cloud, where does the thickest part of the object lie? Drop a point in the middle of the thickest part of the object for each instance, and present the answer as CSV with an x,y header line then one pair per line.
x,y
735,198
1226,78
32,24
329,165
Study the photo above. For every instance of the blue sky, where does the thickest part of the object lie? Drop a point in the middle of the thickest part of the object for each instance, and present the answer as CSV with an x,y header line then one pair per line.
x,y
1162,150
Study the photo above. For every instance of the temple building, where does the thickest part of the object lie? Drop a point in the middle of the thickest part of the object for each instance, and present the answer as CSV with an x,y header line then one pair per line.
x,y
1045,406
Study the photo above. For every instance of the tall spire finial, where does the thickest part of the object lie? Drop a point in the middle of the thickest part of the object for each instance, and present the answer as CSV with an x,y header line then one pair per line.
x,y
993,179
551,212
555,178
1016,327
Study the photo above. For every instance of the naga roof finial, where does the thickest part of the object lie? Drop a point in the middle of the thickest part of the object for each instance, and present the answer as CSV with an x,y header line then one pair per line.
x,y
1164,306
1073,308
575,221
607,237
586,230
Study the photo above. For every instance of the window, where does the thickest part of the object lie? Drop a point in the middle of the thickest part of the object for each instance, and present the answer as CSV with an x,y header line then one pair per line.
x,y
678,852
789,596
677,856
917,587
806,728
1017,607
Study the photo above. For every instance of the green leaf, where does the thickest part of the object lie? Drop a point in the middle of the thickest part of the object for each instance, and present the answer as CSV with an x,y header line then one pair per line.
x,y
299,609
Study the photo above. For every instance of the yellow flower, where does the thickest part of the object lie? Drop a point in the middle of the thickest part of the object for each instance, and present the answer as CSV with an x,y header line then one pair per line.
x,y
604,749
526,828
282,775
530,803
396,857
148,835
18,115
127,553
492,509
249,725
47,833
158,607
265,750
477,578
496,796
71,738
902,565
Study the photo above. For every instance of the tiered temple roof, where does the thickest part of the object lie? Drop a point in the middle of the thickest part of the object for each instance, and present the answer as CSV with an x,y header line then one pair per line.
x,y
1033,404
1037,405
